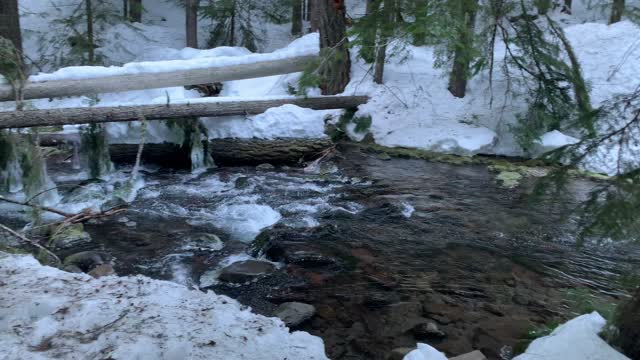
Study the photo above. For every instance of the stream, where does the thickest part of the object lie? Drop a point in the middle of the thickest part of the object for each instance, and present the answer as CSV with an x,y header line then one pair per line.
x,y
378,246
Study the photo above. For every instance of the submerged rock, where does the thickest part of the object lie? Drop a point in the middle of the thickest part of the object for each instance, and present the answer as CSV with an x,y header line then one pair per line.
x,y
85,261
428,330
242,182
243,271
295,313
205,241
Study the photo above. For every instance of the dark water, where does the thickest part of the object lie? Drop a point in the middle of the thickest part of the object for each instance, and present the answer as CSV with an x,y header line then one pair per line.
x,y
406,242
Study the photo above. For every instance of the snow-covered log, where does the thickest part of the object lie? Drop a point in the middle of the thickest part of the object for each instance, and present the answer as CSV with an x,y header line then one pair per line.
x,y
218,107
153,80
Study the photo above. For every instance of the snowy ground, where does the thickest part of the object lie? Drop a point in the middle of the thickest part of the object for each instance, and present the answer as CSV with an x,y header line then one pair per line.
x,y
577,339
51,314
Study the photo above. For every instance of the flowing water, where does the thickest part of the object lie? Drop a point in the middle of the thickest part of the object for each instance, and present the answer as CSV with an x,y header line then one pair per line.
x,y
393,244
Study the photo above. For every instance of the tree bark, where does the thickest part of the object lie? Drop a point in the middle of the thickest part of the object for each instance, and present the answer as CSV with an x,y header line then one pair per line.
x,y
385,35
125,8
616,11
296,17
259,151
568,6
93,115
461,60
10,23
628,320
60,88
135,10
334,44
191,9
90,41
314,17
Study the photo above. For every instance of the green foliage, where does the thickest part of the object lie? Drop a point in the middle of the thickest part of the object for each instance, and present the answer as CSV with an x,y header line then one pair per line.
x,y
233,20
583,301
192,133
535,332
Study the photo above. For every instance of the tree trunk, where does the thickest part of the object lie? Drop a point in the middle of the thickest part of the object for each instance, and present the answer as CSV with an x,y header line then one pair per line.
x,y
125,8
59,88
368,50
10,23
628,323
543,6
90,41
385,35
94,115
191,9
296,17
334,44
232,27
567,8
135,10
616,11
461,60
314,18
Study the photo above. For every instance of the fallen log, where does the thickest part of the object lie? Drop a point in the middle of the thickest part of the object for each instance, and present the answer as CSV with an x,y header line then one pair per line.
x,y
141,81
219,107
229,151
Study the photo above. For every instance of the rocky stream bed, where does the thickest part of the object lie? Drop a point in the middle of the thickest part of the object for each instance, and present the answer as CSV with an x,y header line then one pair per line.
x,y
370,252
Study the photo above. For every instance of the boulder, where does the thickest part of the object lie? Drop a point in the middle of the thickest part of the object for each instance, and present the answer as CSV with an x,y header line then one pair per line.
x,y
102,270
244,271
69,239
85,261
295,313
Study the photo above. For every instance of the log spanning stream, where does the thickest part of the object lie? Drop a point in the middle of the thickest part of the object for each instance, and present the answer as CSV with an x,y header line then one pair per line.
x,y
378,246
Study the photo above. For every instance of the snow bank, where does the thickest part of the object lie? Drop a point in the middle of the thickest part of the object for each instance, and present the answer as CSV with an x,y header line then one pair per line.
x,y
51,314
425,352
575,340
196,59
414,109
283,121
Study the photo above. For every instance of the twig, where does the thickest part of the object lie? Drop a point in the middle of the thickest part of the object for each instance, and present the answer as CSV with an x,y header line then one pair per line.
x,y
37,207
23,238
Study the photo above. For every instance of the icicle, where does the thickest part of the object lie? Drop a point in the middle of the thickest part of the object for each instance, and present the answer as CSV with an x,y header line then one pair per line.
x,y
94,149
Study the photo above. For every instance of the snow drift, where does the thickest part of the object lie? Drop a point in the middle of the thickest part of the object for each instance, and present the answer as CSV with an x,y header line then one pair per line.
x,y
51,314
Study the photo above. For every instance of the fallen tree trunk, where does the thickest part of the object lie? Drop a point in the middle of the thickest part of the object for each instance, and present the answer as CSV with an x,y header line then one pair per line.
x,y
229,151
69,116
141,81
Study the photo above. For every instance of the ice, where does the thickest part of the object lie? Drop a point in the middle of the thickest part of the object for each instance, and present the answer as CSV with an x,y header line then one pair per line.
x,y
577,339
63,316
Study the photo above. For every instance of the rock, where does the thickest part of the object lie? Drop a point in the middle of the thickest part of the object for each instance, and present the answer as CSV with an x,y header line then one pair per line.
x,y
384,156
399,353
131,223
102,270
428,330
493,309
206,241
85,261
72,269
295,313
265,167
520,299
115,202
243,271
474,355
242,182
307,258
70,239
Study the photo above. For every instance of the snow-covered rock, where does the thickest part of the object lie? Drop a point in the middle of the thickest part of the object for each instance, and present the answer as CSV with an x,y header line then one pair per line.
x,y
425,352
551,141
50,314
577,339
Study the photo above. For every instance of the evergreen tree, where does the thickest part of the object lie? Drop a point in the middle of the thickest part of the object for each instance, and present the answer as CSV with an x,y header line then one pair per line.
x,y
617,9
135,10
233,21
464,11
10,23
334,46
191,11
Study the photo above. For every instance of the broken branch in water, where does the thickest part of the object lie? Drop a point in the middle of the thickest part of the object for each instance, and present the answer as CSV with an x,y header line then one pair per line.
x,y
23,238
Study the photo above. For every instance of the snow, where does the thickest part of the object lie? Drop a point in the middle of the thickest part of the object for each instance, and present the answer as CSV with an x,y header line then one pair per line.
x,y
51,314
551,141
575,340
283,121
425,352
